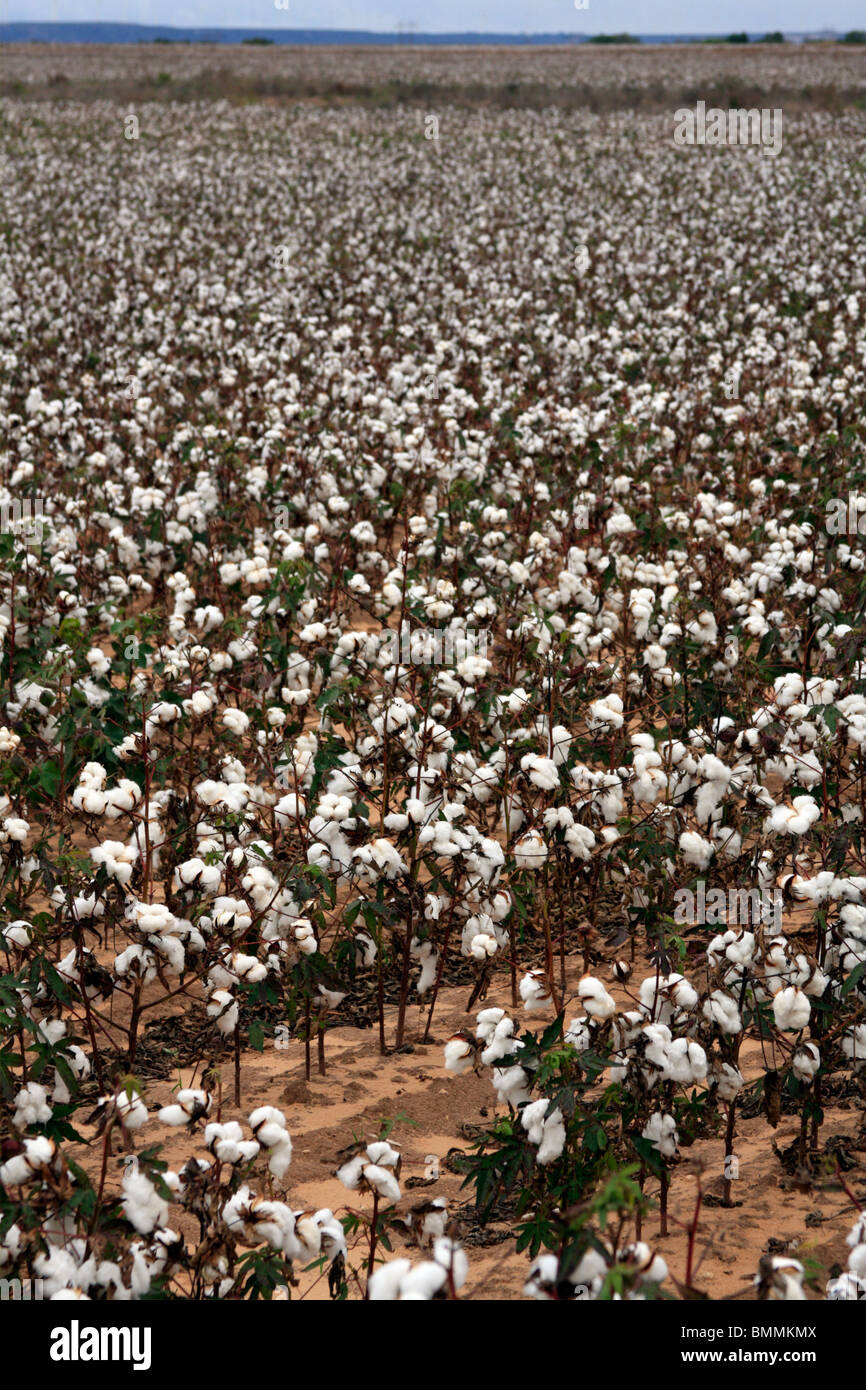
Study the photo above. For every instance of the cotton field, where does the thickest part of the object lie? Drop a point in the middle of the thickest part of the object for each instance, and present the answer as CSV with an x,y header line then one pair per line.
x,y
432,703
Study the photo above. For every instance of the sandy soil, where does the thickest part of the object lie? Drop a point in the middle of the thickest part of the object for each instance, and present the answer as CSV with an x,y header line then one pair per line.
x,y
773,1210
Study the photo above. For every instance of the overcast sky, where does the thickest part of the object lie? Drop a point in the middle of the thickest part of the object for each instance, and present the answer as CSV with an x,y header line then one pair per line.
x,y
503,16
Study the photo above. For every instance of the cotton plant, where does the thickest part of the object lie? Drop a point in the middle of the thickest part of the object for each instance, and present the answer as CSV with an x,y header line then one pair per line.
x,y
242,677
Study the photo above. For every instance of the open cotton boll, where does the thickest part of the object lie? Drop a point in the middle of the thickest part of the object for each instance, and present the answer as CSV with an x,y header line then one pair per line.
x,y
254,1220
482,946
805,1061
189,1107
142,1204
530,851
500,1043
16,934
854,1046
290,808
459,1053
580,841
543,1278
426,953
578,1034
661,1131
235,720
422,1282
351,1172
382,1182
845,1287
511,1085
486,1023
535,991
780,1279
721,1010
542,772
595,998
23,1167
226,1142
795,819
791,1009
696,850
195,873
384,1283
649,1267
606,712
224,1009
547,1132
381,1152
119,860
686,1062
31,1106
452,1257
728,1080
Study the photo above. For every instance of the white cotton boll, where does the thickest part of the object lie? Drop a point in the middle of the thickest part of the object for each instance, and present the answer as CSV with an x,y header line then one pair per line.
x,y
486,1023
854,1046
226,1143
422,1282
728,1080
482,946
535,991
791,1009
142,1204
459,1054
305,938
31,1106
37,1154
785,1280
136,962
248,968
235,721
383,1153
796,819
365,949
190,1106
542,772
721,1010
686,1062
16,934
351,1172
384,1283
451,1257
382,1182
580,842
224,1009
543,1278
511,1085
857,1261
548,1134
429,957
805,1061
857,1233
290,808
607,711
195,873
595,998
578,1034
130,1108
661,1131
695,849
846,1287
735,946
530,852
501,1043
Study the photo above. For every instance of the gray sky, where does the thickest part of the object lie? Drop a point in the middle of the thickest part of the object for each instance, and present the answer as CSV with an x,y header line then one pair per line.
x,y
503,16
